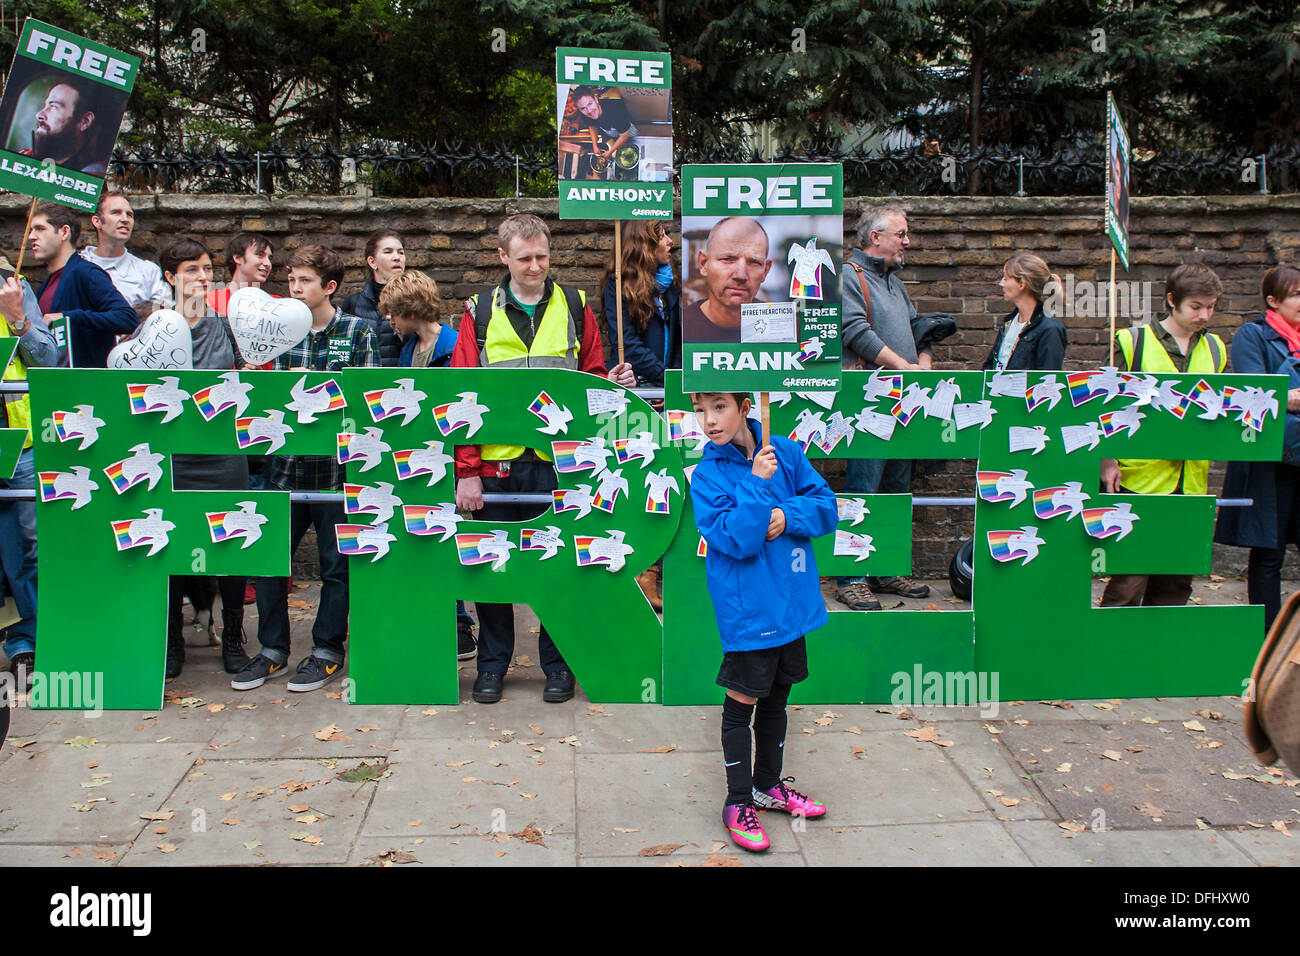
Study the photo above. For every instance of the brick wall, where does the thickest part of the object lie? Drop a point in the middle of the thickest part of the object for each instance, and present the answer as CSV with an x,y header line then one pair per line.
x,y
958,247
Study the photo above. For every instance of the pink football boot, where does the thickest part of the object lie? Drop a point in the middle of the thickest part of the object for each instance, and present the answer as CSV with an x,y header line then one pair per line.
x,y
741,822
788,800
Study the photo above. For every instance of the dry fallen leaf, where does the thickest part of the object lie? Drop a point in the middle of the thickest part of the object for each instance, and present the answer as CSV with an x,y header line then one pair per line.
x,y
227,796
366,730
306,818
332,732
300,808
717,859
81,741
216,708
1112,755
167,847
1280,827
231,821
1194,725
1072,825
1151,811
858,752
1064,767
662,749
662,849
930,735
1008,801
105,854
458,763
993,730
159,815
535,729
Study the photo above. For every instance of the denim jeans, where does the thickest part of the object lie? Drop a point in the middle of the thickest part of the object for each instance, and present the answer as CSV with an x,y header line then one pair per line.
x,y
869,476
18,556
331,627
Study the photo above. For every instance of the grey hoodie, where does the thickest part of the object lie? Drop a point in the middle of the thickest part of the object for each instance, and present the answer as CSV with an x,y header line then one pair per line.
x,y
892,312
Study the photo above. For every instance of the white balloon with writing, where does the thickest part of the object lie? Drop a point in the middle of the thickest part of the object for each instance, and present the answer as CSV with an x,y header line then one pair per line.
x,y
265,327
163,342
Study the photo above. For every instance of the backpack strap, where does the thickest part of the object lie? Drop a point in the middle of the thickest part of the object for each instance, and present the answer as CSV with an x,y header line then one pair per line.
x,y
866,294
1139,336
1216,351
577,310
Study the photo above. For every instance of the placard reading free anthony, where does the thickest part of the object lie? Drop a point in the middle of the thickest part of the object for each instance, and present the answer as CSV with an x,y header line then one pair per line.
x,y
614,117
60,115
761,260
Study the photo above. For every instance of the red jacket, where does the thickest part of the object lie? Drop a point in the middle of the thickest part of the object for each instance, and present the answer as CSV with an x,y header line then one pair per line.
x,y
591,358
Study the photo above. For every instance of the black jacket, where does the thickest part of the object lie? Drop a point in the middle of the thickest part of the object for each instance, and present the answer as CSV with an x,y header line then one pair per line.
x,y
659,346
1041,346
365,305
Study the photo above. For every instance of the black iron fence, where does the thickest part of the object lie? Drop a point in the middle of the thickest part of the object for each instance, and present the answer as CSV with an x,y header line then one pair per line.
x,y
457,169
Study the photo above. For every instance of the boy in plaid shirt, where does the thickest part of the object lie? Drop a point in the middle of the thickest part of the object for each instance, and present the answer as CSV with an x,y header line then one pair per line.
x,y
336,341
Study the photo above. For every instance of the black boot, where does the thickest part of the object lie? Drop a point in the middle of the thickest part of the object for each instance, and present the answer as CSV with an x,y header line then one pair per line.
x,y
175,639
233,657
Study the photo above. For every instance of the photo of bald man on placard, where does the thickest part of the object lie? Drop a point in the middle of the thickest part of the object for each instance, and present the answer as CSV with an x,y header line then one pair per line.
x,y
732,263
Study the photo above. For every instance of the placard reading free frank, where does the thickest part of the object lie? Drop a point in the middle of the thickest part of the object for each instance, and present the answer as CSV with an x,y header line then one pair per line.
x,y
60,115
762,250
614,118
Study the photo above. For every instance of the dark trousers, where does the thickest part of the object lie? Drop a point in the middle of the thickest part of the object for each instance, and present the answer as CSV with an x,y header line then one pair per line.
x,y
331,627
496,622
1147,590
870,476
1264,568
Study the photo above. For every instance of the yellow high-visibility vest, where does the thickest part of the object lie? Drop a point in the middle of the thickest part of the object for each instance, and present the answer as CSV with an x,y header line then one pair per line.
x,y
18,406
555,345
1156,477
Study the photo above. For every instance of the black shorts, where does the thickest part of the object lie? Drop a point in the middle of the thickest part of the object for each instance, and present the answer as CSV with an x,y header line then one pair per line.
x,y
753,673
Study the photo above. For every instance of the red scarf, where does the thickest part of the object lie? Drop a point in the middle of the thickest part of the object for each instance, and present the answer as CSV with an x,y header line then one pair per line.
x,y
1289,332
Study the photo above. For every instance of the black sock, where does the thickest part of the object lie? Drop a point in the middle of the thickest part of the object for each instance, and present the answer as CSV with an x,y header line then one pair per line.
x,y
736,750
769,737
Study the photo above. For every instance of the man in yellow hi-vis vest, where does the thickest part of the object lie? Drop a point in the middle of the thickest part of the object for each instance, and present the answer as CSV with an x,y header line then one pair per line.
x,y
1178,343
20,316
527,321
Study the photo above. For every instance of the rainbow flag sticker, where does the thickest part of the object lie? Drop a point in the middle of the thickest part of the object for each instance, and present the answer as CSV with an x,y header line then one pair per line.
x,y
242,437
566,457
122,532
483,548
349,538
682,426
655,507
136,394
1043,506
120,482
208,408
217,526
1081,390
582,542
1001,547
987,484
702,549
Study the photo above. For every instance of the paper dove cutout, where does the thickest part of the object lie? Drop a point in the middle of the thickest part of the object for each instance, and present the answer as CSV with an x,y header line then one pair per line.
x,y
230,392
402,398
852,510
609,551
467,412
79,424
1141,387
1046,391
271,429
876,423
378,500
1116,521
805,278
1008,384
166,396
440,519
143,465
310,402
153,529
62,485
356,539
1024,439
1009,486
915,399
602,401
367,447
940,404
547,540
856,546
608,485
573,499
658,484
477,548
971,413
1123,419
882,386
1064,499
1021,545
429,460
642,445
1074,437
837,428
245,523
555,417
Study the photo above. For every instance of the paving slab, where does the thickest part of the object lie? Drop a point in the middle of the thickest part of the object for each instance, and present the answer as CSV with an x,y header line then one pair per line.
x,y
984,760
1162,777
1046,844
1269,847
973,843
238,811
623,728
449,787
688,856
40,793
60,854
524,848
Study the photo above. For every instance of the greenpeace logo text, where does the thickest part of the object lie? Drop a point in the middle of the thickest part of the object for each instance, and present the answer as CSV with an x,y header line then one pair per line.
x,y
77,909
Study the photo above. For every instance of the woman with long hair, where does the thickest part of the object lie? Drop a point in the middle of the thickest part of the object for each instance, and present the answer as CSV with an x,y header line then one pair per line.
x,y
652,301
1028,337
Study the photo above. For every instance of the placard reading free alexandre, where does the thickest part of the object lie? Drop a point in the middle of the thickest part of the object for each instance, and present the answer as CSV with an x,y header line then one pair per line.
x,y
60,115
614,117
762,253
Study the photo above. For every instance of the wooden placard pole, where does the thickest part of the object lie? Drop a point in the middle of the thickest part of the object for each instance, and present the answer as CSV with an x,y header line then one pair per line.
x,y
765,414
1112,306
618,285
22,244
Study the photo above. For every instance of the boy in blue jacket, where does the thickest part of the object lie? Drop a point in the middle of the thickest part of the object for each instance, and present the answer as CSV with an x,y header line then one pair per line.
x,y
758,510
